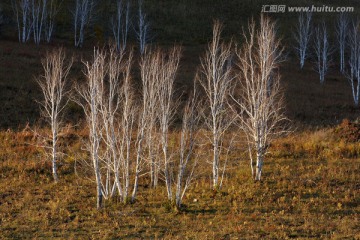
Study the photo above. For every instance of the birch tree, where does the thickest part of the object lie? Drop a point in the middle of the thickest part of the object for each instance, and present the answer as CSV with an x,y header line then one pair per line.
x,y
91,98
142,32
342,25
109,104
118,99
215,77
53,86
259,103
187,162
22,12
168,65
354,62
38,13
120,24
142,125
302,36
146,121
150,69
53,8
128,113
82,17
322,51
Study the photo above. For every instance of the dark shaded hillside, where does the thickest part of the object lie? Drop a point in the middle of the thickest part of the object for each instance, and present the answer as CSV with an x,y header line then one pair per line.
x,y
186,22
308,102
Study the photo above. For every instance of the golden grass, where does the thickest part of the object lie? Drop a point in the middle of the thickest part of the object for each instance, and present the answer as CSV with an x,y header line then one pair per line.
x,y
310,189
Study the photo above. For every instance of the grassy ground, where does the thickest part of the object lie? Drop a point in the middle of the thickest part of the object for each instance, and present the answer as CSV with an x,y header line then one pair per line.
x,y
310,189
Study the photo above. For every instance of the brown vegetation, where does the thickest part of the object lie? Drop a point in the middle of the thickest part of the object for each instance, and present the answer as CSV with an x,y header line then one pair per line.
x,y
310,190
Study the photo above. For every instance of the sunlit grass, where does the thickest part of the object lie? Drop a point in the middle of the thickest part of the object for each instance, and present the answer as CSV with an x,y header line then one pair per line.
x,y
313,194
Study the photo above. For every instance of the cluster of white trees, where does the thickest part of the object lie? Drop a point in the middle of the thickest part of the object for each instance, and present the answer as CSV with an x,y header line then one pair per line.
x,y
347,41
37,18
131,132
119,158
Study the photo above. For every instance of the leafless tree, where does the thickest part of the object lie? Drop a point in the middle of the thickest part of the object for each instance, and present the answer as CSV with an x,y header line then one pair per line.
x,y
82,16
186,149
128,112
108,102
302,36
342,25
91,99
146,120
322,51
215,77
140,145
22,11
38,14
259,103
165,78
53,8
354,62
118,99
53,86
143,28
150,68
120,24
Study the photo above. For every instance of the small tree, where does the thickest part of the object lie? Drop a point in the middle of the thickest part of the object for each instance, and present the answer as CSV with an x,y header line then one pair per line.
x,y
53,8
165,77
126,126
82,17
186,148
22,11
215,77
91,99
143,28
146,120
38,14
120,24
342,25
259,104
150,69
302,36
53,86
107,100
354,62
322,51
117,129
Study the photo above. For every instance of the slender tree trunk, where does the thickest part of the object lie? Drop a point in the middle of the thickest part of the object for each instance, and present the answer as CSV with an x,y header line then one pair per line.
x,y
167,174
215,162
179,185
54,167
97,175
259,163
137,167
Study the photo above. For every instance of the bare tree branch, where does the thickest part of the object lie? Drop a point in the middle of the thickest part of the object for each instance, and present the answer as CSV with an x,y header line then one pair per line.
x,y
53,86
